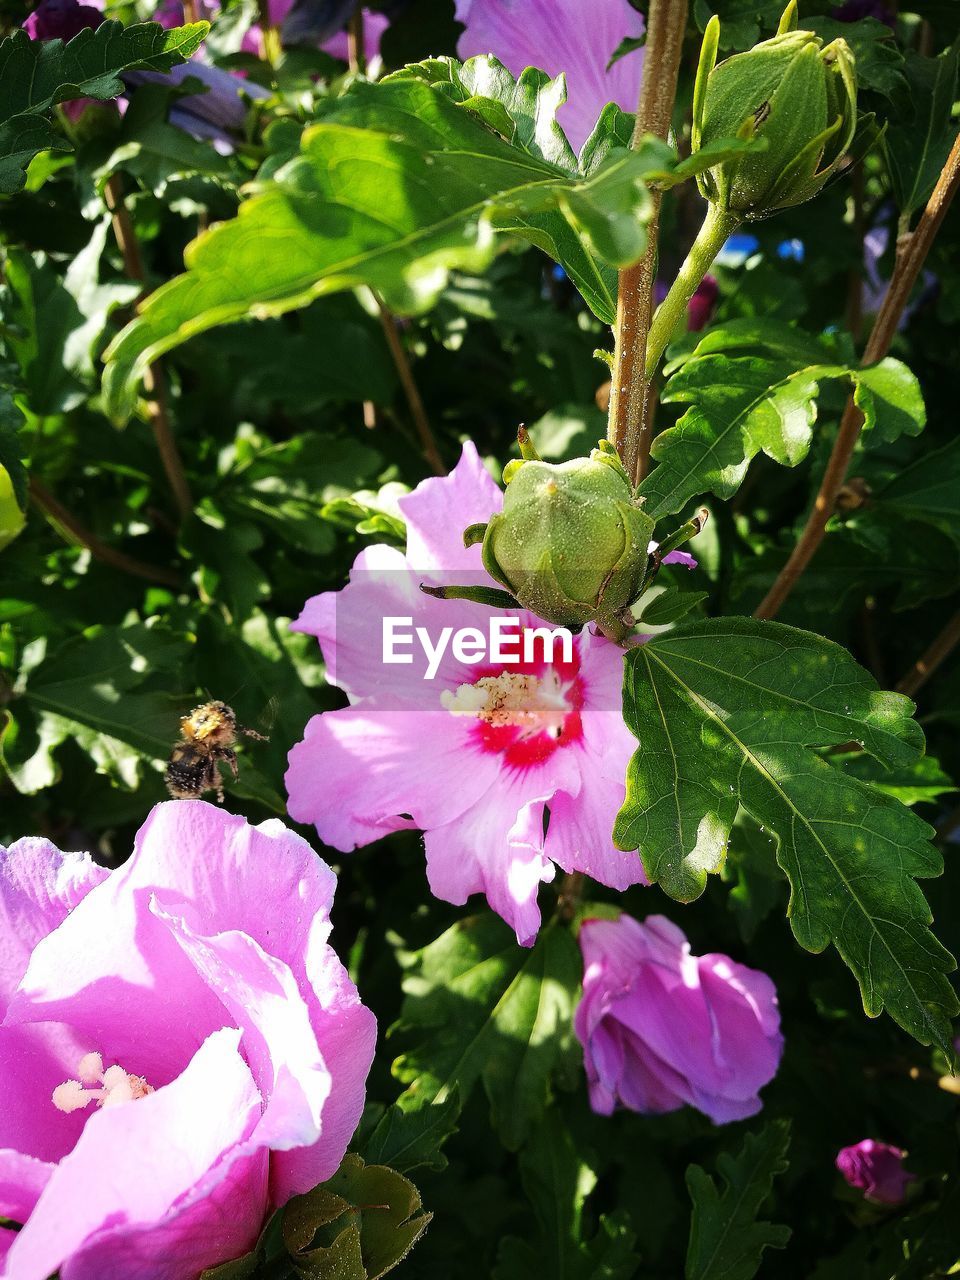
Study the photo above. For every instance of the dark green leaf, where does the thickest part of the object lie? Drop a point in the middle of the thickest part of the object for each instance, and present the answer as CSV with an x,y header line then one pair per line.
x,y
486,1009
725,712
407,1140
920,132
670,606
356,1226
879,62
726,1239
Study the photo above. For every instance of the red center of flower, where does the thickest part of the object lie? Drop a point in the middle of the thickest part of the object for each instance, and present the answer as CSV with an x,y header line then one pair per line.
x,y
525,710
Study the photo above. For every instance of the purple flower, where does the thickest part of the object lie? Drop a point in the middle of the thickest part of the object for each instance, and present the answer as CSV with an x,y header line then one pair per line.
x,y
475,754
181,1048
61,19
854,10
662,1028
876,1169
701,306
561,36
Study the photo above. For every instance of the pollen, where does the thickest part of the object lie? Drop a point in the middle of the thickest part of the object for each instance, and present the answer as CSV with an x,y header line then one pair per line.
x,y
512,700
107,1088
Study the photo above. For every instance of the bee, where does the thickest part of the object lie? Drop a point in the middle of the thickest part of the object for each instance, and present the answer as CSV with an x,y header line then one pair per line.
x,y
209,734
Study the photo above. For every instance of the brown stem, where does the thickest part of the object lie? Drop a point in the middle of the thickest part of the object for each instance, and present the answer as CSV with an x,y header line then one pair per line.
x,y
356,48
417,411
629,425
101,551
931,658
154,381
912,250
571,892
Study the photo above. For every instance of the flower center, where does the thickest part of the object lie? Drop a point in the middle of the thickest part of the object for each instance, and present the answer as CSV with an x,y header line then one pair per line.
x,y
532,704
106,1088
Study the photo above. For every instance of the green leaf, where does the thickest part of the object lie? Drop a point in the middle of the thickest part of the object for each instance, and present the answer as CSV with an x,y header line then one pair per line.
x,y
764,401
395,186
670,606
36,75
726,1239
928,489
557,1182
356,1226
920,782
742,22
11,455
758,886
920,132
407,1140
726,711
486,1009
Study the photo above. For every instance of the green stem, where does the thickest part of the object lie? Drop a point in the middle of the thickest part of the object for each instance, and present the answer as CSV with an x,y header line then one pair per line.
x,y
718,225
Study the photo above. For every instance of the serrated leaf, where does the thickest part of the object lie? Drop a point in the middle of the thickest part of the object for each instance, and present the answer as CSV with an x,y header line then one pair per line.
x,y
928,489
921,782
757,886
763,401
557,1182
486,1009
406,1140
394,187
358,1225
35,75
726,711
726,1239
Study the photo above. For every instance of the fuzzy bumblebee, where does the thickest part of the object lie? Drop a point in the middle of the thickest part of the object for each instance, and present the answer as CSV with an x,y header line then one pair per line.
x,y
209,735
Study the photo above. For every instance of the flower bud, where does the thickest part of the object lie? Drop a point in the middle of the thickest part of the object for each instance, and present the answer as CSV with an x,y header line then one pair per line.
x,y
571,542
794,93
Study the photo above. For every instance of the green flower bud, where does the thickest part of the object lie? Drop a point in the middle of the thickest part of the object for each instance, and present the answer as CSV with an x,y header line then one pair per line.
x,y
796,94
571,541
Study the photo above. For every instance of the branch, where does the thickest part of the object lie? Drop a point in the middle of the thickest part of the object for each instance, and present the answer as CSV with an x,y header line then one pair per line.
x,y
154,381
931,658
912,250
101,551
629,425
417,411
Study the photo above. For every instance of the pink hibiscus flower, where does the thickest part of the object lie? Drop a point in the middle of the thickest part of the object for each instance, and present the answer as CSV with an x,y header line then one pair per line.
x,y
477,755
561,36
876,1169
181,1049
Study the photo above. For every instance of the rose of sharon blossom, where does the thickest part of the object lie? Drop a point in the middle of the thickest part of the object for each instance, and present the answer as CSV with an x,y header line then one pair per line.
x,y
557,36
181,1049
61,19
476,755
662,1028
876,1169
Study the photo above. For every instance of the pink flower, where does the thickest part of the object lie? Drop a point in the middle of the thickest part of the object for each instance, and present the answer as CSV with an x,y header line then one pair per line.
x,y
475,756
561,36
662,1028
876,1169
62,19
181,1048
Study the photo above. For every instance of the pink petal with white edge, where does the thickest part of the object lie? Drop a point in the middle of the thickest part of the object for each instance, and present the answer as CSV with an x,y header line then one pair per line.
x,y
114,972
39,887
135,1162
439,509
357,770
495,848
579,834
561,36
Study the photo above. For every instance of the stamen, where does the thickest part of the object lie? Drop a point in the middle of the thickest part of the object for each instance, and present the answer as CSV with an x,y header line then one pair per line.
x,y
512,700
117,1086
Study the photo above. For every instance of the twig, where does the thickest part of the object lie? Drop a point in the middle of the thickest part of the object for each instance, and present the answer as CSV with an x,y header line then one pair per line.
x,y
629,426
154,381
101,551
912,250
855,276
417,411
571,892
931,658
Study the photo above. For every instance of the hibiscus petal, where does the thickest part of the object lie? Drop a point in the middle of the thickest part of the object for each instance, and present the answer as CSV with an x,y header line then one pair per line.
x,y
22,1179
495,848
439,509
39,887
135,1161
114,972
580,828
357,770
